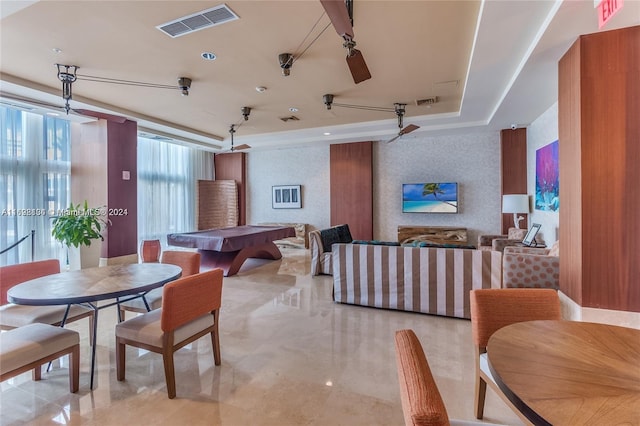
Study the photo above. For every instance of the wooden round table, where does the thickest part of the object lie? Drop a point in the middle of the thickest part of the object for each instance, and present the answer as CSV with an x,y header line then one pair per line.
x,y
568,372
88,286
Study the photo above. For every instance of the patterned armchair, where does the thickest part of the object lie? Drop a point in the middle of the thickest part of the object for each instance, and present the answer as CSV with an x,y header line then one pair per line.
x,y
499,242
531,267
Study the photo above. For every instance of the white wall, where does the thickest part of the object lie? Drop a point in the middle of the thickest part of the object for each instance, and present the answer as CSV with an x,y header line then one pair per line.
x,y
541,132
308,167
472,160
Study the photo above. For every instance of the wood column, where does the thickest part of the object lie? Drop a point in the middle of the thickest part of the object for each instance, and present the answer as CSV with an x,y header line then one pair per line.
x,y
599,134
233,166
351,187
513,165
100,152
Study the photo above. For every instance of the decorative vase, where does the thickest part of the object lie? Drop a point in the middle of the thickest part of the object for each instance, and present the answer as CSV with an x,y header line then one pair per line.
x,y
74,258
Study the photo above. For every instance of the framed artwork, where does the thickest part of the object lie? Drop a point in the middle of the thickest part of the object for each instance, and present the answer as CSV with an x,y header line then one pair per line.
x,y
530,239
547,178
286,197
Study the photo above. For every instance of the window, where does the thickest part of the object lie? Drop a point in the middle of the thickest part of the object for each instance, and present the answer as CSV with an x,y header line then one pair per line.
x,y
167,185
34,182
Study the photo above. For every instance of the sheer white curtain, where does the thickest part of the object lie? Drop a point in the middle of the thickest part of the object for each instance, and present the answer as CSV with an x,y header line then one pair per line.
x,y
167,185
34,182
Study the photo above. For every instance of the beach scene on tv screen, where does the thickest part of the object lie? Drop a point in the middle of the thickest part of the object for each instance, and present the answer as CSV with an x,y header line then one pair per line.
x,y
430,197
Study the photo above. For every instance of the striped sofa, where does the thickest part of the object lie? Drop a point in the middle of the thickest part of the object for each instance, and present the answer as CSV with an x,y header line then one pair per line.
x,y
418,279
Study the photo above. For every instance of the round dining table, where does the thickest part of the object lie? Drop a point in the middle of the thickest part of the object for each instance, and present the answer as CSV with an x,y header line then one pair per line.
x,y
87,287
569,372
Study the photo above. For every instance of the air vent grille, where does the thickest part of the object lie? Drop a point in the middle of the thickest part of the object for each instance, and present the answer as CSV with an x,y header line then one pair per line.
x,y
198,21
427,101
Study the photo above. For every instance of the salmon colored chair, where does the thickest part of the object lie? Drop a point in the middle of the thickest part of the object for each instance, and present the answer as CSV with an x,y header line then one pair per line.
x,y
13,316
150,251
189,261
190,310
421,400
492,309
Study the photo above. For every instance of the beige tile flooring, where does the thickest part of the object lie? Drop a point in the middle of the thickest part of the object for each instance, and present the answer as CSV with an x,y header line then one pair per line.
x,y
290,356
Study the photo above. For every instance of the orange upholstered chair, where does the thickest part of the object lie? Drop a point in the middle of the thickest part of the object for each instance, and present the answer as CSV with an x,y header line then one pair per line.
x,y
150,251
492,309
190,310
189,261
13,316
421,400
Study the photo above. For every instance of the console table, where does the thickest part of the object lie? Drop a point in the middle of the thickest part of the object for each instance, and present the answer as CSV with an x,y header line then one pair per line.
x,y
432,234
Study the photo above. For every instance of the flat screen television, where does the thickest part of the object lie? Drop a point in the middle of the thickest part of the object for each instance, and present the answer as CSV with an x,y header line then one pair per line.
x,y
430,197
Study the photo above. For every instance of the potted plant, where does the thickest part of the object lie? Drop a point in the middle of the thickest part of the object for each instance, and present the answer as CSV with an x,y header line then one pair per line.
x,y
75,227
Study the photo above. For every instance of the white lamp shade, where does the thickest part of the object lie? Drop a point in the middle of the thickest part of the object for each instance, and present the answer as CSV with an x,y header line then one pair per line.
x,y
515,203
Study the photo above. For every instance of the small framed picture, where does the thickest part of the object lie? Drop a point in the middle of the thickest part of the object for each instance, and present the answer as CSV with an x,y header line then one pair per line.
x,y
286,197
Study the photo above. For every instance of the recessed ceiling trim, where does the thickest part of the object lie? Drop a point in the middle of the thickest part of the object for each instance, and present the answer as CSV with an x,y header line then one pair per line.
x,y
198,21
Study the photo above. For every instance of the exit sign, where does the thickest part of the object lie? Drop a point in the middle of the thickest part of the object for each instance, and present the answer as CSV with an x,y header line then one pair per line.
x,y
606,10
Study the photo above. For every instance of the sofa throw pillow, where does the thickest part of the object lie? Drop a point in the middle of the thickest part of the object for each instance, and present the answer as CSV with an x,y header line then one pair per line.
x,y
336,234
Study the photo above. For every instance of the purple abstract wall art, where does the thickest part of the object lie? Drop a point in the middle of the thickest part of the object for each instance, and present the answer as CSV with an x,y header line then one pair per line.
x,y
547,178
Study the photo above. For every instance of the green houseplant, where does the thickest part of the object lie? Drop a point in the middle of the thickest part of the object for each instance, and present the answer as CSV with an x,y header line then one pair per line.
x,y
77,226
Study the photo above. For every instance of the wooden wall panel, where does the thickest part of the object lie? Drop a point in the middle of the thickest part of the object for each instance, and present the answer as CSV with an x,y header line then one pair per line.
x,y
232,166
610,72
351,187
598,124
570,232
513,157
121,238
100,152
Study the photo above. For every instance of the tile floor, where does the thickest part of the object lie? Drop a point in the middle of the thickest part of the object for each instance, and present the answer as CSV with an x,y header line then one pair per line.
x,y
290,356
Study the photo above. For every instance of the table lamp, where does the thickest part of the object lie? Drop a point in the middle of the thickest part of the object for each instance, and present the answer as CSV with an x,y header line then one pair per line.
x,y
515,203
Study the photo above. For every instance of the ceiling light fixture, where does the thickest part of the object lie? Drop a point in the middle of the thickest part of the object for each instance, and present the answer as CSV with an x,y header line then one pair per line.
x,y
261,89
57,50
208,56
293,109
67,74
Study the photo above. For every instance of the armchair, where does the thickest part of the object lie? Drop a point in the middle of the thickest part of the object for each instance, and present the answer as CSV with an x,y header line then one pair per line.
x,y
499,242
190,310
531,267
320,242
492,309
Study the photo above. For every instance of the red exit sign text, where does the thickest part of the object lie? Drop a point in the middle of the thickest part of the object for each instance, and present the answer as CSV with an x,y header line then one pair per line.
x,y
606,9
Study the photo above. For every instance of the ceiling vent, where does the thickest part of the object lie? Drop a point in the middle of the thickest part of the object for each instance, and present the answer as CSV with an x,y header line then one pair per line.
x,y
289,118
427,101
198,21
